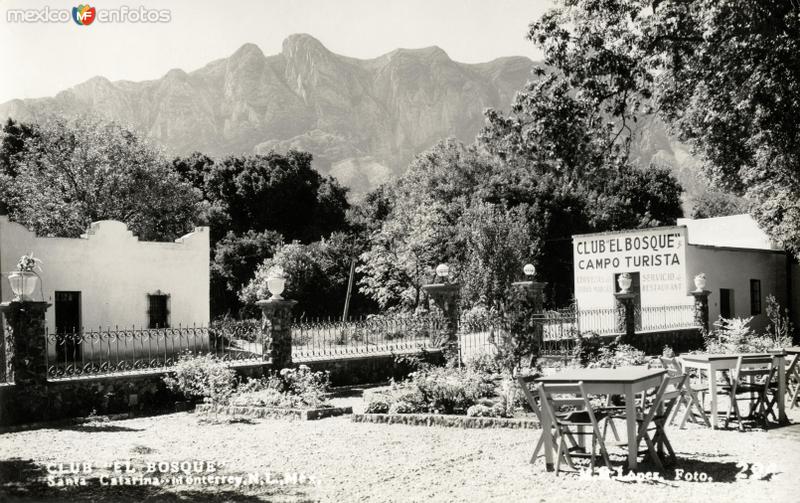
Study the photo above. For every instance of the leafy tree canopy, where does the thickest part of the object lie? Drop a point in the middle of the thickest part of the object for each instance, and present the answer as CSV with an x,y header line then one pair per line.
x,y
723,74
281,193
317,277
59,175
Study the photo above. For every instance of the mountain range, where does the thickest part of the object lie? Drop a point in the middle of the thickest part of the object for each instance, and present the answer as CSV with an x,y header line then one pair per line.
x,y
363,119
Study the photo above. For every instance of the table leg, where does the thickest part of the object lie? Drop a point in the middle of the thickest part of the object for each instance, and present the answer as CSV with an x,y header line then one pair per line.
x,y
782,392
712,386
630,422
548,441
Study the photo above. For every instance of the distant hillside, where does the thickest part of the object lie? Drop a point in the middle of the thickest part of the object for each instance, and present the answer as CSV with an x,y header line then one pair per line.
x,y
364,120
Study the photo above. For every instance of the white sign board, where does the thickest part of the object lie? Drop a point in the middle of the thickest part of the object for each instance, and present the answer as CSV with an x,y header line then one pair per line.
x,y
658,255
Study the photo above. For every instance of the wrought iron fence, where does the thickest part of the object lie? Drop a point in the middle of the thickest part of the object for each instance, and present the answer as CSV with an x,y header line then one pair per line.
x,y
95,352
323,338
116,350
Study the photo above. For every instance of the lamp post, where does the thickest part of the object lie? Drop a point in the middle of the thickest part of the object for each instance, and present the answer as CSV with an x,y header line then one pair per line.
x,y
534,289
445,294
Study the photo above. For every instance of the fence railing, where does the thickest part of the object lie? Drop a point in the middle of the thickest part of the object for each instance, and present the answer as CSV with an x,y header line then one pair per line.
x,y
108,351
321,338
95,352
666,317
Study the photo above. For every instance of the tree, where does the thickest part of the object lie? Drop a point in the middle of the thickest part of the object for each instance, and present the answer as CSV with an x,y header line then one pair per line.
x,y
282,193
317,277
62,174
498,242
724,75
562,156
235,258
714,203
421,228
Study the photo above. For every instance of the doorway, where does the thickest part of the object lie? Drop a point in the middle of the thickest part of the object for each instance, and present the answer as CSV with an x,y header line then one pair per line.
x,y
726,303
68,326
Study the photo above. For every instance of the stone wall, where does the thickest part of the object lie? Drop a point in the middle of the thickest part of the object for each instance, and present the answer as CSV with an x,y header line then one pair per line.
x,y
373,369
145,392
681,341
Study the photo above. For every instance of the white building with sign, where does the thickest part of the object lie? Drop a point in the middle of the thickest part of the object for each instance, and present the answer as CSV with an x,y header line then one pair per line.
x,y
741,264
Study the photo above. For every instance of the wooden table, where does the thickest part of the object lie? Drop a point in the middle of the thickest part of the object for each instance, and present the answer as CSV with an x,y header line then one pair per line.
x,y
712,363
624,381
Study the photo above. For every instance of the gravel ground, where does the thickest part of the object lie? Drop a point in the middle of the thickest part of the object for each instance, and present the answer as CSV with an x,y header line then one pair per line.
x,y
360,462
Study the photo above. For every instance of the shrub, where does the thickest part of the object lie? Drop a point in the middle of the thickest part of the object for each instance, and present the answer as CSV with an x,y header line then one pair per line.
x,y
292,388
483,363
618,355
450,390
518,339
587,347
202,376
735,335
479,410
378,404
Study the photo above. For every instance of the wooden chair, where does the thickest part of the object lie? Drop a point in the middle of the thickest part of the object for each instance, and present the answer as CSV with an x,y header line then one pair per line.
x,y
752,377
694,408
653,421
533,403
792,378
573,422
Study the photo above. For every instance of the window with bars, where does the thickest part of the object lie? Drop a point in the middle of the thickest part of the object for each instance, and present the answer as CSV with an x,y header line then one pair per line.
x,y
158,311
755,297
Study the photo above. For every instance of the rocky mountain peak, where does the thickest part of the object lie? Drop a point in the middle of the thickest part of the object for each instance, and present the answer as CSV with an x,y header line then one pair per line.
x,y
246,52
303,46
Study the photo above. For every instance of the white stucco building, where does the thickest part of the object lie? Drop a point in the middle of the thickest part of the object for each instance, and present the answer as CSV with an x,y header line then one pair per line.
x,y
742,267
108,278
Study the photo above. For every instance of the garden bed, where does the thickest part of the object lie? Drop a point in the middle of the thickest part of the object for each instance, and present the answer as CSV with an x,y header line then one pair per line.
x,y
273,412
448,420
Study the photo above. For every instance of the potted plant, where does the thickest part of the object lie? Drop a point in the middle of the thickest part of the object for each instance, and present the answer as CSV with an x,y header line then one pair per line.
x,y
276,281
700,282
24,279
624,281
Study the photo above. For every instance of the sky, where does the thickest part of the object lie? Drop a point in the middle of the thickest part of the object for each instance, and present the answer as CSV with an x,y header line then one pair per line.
x,y
39,59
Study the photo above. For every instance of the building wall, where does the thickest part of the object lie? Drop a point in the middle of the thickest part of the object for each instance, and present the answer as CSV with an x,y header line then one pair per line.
x,y
795,304
115,272
733,269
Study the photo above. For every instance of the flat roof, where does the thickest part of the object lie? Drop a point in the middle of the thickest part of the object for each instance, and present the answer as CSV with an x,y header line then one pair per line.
x,y
735,231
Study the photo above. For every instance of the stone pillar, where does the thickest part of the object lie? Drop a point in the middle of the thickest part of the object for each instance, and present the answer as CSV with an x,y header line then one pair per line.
x,y
535,292
446,297
28,356
626,307
701,309
276,330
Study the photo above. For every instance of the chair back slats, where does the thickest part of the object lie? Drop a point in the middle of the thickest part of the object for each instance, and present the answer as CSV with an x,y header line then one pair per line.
x,y
754,368
672,365
566,389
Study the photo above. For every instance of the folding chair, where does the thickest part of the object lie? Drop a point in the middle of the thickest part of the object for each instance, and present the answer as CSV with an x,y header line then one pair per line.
x,y
534,405
652,422
572,422
752,376
688,396
792,377
793,380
